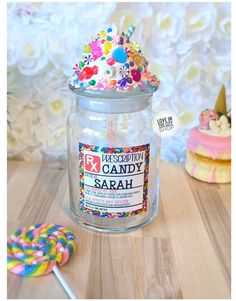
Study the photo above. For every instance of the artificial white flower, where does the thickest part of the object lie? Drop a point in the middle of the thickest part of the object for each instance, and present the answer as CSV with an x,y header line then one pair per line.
x,y
64,47
133,13
49,123
15,106
168,27
223,20
58,105
161,65
218,72
223,73
52,137
225,27
54,105
33,56
190,69
89,12
200,22
51,79
20,135
21,88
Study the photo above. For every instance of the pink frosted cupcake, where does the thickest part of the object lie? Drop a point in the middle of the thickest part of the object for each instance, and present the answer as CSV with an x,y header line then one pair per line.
x,y
209,145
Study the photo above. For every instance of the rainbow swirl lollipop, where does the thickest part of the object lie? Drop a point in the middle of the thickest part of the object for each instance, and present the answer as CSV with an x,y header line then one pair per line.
x,y
39,249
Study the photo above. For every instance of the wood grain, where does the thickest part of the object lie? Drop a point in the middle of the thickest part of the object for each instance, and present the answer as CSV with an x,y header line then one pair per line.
x,y
183,253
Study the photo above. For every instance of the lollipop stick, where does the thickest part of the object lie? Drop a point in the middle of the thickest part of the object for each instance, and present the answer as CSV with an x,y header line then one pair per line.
x,y
63,283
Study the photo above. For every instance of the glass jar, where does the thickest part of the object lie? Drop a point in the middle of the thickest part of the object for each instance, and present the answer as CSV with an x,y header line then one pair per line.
x,y
113,159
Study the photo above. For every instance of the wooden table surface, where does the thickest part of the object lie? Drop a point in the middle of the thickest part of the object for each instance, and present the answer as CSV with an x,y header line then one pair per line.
x,y
185,252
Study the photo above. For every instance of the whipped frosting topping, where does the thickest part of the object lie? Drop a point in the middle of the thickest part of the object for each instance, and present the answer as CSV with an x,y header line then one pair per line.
x,y
112,62
214,123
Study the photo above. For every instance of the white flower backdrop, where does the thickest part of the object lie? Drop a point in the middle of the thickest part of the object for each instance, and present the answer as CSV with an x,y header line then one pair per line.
x,y
187,44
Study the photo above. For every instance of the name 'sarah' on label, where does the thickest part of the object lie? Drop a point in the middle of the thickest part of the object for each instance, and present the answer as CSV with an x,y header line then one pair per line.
x,y
114,164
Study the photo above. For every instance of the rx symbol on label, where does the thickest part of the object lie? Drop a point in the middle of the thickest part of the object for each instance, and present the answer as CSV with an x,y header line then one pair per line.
x,y
92,163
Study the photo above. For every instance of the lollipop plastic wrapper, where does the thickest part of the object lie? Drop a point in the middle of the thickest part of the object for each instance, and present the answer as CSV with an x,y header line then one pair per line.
x,y
39,250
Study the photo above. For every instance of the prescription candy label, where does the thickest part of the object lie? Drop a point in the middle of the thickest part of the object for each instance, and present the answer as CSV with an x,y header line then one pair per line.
x,y
113,181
